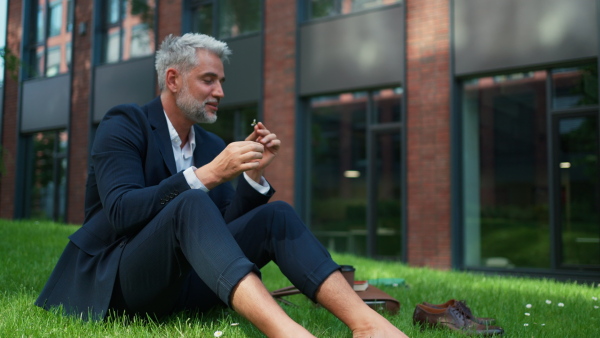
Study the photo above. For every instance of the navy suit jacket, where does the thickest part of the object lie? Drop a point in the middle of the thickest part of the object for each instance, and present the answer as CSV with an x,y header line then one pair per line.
x,y
132,177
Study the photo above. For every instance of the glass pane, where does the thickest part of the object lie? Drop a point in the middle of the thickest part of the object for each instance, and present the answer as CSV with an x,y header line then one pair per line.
x,y
325,8
387,105
55,18
575,87
505,172
202,19
322,8
238,17
112,11
112,47
579,193
53,61
40,35
49,176
39,66
338,161
388,207
70,15
141,44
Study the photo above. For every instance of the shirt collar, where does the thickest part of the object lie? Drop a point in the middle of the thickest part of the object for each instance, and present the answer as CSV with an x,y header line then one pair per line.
x,y
175,136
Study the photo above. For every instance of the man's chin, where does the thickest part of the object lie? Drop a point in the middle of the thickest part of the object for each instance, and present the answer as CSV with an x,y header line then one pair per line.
x,y
208,119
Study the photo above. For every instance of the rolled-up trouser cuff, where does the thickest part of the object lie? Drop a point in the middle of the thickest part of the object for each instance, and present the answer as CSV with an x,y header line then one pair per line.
x,y
317,277
232,275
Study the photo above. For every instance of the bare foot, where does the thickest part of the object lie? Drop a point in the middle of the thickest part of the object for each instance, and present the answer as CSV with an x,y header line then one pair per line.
x,y
382,329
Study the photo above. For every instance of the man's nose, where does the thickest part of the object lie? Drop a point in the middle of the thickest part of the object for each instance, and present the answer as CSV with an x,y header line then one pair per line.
x,y
218,91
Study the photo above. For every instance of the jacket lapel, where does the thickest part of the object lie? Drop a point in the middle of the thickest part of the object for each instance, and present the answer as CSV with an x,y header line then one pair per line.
x,y
160,129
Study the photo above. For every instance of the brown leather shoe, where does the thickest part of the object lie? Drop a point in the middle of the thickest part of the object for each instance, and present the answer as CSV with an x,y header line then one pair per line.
x,y
451,318
465,309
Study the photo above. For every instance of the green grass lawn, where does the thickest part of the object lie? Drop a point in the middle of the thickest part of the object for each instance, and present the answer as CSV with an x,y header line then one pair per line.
x,y
29,250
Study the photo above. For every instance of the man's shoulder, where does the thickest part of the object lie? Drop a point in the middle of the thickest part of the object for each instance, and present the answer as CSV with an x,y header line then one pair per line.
x,y
133,111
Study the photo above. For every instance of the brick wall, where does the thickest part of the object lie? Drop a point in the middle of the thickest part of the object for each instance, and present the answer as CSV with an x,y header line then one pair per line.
x,y
280,91
428,132
10,114
79,128
169,19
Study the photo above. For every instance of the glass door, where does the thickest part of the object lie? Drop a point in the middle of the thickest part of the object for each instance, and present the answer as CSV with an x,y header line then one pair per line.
x,y
577,194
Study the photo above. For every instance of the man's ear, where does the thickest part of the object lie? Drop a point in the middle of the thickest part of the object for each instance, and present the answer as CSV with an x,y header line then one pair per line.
x,y
173,80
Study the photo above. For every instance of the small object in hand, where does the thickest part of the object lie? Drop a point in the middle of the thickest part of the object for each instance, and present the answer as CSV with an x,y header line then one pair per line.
x,y
253,123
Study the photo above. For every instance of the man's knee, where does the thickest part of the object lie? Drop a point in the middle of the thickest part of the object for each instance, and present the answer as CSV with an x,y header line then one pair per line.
x,y
194,201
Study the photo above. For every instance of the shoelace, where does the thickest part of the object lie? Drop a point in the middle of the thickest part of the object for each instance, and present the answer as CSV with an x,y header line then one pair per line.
x,y
462,316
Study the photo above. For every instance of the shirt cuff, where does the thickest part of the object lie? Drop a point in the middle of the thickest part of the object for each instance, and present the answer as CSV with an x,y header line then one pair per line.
x,y
192,180
262,187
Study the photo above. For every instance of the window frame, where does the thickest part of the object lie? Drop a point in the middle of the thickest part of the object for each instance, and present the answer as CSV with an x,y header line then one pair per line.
x,y
193,5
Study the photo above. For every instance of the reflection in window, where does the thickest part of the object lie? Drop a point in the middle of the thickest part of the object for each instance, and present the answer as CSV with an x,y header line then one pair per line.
x,y
128,29
140,41
340,167
577,166
53,59
325,8
52,22
339,170
230,18
56,14
505,173
575,87
48,176
387,105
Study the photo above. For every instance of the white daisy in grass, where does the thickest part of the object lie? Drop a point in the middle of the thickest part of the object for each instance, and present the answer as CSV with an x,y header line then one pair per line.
x,y
595,298
528,306
525,324
218,333
548,301
561,305
527,314
596,306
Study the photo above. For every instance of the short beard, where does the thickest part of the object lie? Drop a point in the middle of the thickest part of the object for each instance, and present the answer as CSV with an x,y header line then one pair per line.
x,y
192,109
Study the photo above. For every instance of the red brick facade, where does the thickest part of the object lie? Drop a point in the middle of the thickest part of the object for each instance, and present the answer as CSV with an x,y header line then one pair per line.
x,y
279,101
428,132
427,125
10,116
79,128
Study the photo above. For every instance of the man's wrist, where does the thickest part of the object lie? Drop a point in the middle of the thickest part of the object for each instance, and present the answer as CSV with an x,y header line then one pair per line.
x,y
206,177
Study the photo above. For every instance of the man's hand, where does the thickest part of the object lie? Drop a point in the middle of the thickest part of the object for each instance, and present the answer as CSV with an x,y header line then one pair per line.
x,y
236,158
271,147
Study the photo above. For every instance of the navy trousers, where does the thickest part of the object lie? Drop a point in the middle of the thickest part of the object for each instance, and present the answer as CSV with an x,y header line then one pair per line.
x,y
187,257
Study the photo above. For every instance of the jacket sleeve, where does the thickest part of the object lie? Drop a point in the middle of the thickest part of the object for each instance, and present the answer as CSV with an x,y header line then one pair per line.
x,y
120,156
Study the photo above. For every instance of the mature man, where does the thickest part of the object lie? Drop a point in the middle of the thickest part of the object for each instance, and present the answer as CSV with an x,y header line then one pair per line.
x,y
164,229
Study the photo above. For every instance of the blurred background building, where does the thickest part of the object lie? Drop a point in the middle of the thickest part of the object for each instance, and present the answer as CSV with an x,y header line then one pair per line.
x,y
444,133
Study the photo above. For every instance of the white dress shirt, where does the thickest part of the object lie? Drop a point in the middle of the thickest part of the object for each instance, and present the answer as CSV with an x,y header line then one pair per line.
x,y
184,158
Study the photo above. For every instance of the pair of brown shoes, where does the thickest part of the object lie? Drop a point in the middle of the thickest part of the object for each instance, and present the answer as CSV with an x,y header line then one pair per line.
x,y
454,315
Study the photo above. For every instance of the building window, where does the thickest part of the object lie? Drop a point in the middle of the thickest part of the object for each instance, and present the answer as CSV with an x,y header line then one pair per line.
x,y
226,19
574,87
128,29
316,9
530,186
55,18
354,178
47,178
52,22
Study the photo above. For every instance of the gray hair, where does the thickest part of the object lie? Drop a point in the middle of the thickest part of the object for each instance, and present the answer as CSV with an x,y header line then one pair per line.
x,y
179,52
